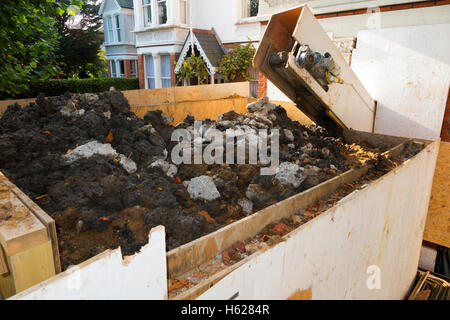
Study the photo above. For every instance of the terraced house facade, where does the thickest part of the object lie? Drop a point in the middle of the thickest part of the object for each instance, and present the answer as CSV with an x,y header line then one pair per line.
x,y
146,38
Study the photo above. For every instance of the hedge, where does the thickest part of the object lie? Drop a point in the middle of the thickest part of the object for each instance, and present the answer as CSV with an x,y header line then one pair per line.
x,y
56,87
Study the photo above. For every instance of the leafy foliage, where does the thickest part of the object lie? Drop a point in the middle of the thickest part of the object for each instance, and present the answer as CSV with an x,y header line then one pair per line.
x,y
28,42
55,87
237,62
80,42
193,67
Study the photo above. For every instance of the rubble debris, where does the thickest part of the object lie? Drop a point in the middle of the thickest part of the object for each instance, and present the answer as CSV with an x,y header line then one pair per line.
x,y
246,205
203,187
290,174
108,179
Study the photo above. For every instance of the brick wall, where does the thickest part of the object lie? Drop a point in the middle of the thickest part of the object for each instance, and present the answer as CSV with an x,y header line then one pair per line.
x,y
140,70
126,67
445,132
262,85
173,59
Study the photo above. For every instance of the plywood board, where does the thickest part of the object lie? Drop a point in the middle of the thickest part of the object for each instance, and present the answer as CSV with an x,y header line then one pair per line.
x,y
32,266
437,229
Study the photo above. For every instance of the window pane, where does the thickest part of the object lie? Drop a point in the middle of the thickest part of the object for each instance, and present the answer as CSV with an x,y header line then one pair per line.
x,y
151,83
183,13
147,13
105,23
121,68
150,66
113,68
162,12
251,8
133,67
110,30
166,83
165,66
119,35
150,72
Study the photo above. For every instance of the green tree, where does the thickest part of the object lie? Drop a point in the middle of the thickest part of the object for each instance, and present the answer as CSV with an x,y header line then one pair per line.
x,y
28,42
80,43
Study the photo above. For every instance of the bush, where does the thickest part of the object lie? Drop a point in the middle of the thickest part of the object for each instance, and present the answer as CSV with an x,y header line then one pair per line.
x,y
56,87
236,63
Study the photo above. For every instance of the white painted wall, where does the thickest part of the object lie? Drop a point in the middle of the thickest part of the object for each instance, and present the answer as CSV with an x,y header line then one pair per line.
x,y
325,6
349,26
107,276
381,225
407,70
227,19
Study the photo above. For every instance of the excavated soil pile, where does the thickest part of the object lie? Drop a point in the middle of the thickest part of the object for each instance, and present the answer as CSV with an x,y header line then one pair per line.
x,y
106,177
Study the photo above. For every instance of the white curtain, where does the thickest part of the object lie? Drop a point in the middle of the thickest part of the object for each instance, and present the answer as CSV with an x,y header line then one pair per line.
x,y
150,66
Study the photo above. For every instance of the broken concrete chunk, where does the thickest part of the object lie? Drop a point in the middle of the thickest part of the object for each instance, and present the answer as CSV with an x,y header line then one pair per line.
x,y
172,171
289,135
89,149
203,188
246,205
163,165
128,164
290,174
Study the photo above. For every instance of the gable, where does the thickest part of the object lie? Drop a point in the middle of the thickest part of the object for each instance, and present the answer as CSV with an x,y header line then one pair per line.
x,y
108,6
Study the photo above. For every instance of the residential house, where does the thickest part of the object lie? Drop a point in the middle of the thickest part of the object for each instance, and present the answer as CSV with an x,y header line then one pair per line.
x,y
161,29
120,40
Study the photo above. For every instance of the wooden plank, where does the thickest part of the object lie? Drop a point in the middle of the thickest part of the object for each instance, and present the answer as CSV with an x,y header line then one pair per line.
x,y
40,214
19,228
46,220
3,263
437,228
32,266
